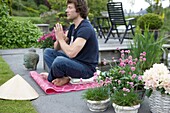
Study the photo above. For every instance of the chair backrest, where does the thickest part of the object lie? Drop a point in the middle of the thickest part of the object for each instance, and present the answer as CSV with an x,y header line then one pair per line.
x,y
116,14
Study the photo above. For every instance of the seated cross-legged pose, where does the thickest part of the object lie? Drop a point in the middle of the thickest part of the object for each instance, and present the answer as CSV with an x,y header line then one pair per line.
x,y
75,53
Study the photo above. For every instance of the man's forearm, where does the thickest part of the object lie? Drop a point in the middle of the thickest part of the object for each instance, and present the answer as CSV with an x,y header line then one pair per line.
x,y
57,44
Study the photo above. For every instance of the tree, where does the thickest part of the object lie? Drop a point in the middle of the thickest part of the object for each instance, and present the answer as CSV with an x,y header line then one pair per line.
x,y
95,6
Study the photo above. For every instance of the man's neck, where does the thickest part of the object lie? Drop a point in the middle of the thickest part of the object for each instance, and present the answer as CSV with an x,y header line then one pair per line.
x,y
77,21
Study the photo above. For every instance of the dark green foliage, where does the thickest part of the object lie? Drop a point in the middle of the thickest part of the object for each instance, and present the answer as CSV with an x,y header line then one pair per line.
x,y
4,10
151,21
95,6
125,98
96,94
17,34
52,19
59,5
25,8
43,8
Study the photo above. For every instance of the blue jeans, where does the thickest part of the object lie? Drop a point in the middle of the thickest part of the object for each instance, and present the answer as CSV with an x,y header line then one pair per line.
x,y
61,65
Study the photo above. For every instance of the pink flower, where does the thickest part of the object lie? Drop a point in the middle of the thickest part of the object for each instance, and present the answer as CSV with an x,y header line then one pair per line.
x,y
122,64
104,61
119,81
128,90
144,53
124,89
122,51
127,51
131,83
122,71
134,63
133,68
141,57
130,62
122,55
133,76
139,77
130,57
144,59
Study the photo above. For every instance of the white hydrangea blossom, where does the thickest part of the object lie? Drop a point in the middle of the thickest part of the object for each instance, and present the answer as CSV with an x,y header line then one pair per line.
x,y
157,77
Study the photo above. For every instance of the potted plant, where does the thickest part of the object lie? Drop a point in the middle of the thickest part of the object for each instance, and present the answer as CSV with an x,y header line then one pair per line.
x,y
151,21
157,84
97,98
126,80
125,101
146,42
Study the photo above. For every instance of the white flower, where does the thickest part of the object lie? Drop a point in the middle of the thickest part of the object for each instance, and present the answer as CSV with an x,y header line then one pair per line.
x,y
157,77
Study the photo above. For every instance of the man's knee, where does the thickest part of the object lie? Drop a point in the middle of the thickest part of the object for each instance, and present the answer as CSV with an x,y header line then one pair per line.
x,y
60,61
47,51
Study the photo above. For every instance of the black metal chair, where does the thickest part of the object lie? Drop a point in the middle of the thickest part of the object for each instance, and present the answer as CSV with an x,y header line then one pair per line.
x,y
104,25
117,19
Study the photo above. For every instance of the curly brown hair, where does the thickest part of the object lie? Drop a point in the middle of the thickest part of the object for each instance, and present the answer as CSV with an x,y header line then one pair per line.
x,y
81,7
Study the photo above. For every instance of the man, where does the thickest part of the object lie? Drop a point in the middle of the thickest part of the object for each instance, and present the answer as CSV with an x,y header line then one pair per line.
x,y
79,55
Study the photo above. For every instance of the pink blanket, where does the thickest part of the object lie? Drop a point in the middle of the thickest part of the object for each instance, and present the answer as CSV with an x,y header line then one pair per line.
x,y
49,88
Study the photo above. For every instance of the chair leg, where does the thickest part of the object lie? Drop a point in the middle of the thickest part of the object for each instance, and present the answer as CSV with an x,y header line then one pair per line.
x,y
102,32
108,35
133,32
118,35
124,36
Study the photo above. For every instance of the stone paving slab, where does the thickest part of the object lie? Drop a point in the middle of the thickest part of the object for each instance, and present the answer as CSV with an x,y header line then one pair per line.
x,y
71,102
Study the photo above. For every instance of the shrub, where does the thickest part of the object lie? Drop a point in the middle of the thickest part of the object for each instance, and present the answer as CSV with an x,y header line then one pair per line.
x,y
4,11
43,8
53,18
150,21
17,34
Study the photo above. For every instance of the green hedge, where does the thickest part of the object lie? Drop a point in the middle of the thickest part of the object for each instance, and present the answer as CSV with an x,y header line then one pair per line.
x,y
17,34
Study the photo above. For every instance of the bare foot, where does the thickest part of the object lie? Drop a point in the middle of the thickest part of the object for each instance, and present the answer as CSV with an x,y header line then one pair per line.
x,y
44,75
61,81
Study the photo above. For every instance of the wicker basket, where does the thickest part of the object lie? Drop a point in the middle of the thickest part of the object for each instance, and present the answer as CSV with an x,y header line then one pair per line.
x,y
159,103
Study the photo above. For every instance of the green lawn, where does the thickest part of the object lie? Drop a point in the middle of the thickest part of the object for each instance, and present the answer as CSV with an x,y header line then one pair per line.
x,y
11,106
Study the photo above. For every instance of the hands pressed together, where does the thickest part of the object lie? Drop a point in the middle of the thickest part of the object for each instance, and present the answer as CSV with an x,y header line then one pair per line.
x,y
59,33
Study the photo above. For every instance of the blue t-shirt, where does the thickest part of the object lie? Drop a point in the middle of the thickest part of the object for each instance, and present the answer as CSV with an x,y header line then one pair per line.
x,y
89,53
